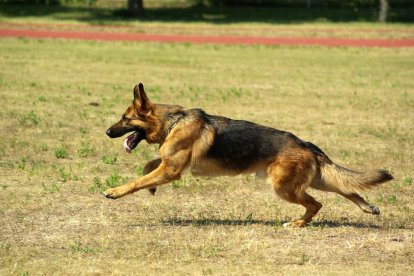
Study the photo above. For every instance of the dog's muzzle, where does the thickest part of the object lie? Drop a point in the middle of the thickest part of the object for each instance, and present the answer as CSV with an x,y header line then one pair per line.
x,y
118,132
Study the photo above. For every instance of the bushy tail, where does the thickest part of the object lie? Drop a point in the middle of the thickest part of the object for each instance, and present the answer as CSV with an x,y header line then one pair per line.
x,y
337,178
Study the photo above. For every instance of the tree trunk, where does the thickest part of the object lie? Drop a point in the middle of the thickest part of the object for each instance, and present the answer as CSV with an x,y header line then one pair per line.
x,y
136,7
383,10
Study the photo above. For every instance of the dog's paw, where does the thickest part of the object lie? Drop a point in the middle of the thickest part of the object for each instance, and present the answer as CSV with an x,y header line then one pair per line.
x,y
375,210
152,190
113,193
294,224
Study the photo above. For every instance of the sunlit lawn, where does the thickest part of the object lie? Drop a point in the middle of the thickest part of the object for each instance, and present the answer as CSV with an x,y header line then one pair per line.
x,y
58,97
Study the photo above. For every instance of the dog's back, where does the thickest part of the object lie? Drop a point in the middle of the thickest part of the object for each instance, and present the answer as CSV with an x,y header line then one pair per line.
x,y
241,146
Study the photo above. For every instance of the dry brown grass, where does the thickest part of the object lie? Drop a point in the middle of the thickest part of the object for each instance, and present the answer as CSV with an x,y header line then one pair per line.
x,y
356,104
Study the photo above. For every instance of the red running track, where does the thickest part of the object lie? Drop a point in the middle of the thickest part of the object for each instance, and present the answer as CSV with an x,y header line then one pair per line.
x,y
199,39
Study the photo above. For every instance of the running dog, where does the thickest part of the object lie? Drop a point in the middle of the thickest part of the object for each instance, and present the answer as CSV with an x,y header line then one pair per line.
x,y
209,145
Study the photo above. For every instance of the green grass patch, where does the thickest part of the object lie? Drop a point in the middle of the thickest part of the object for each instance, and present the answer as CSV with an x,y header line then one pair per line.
x,y
61,153
85,249
30,119
109,159
85,150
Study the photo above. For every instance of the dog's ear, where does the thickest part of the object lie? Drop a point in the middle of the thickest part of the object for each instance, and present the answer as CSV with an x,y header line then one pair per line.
x,y
141,100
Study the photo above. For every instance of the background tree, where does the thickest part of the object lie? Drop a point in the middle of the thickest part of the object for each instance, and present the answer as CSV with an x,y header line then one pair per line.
x,y
136,7
383,10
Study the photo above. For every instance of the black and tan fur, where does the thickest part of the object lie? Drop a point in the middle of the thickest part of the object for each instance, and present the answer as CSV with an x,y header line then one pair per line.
x,y
193,140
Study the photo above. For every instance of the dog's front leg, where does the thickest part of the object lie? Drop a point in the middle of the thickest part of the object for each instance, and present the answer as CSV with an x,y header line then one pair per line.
x,y
169,170
162,175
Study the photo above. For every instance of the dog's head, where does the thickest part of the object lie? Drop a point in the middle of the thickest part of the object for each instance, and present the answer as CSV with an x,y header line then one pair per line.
x,y
140,117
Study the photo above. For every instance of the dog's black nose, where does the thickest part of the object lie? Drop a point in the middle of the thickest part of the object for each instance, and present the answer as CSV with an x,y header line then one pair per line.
x,y
109,132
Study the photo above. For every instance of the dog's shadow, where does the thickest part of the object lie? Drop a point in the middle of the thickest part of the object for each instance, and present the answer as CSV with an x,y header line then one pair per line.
x,y
247,222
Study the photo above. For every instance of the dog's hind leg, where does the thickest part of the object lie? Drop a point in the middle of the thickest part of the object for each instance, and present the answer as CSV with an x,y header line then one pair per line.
x,y
290,175
149,167
361,203
312,207
354,197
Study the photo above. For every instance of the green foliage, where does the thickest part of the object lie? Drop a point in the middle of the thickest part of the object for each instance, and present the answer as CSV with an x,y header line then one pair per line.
x,y
278,223
83,130
109,159
78,248
391,199
303,259
139,170
44,147
64,176
213,251
5,246
30,119
61,153
97,185
176,184
303,3
114,180
22,163
37,2
55,187
408,181
42,99
86,150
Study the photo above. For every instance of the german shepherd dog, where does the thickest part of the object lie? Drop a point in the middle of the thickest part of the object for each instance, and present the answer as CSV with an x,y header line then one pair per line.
x,y
209,145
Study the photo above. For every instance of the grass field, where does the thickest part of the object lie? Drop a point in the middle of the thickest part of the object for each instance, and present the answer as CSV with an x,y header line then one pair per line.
x,y
58,97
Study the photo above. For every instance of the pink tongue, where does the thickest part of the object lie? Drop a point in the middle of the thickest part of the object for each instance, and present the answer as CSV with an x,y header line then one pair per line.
x,y
126,147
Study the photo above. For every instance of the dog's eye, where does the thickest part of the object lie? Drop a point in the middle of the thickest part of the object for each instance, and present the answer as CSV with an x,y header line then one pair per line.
x,y
133,118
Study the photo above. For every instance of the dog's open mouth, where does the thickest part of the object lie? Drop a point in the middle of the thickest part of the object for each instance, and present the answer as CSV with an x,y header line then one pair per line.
x,y
132,141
